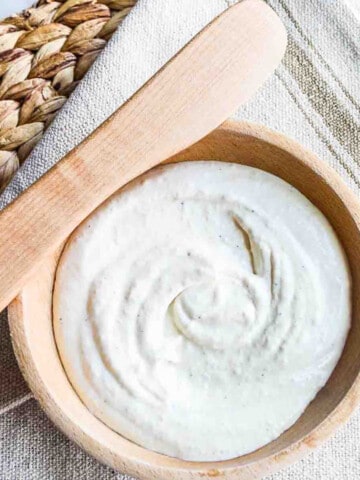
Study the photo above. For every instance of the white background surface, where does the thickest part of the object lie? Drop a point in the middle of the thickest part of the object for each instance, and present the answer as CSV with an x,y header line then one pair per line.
x,y
7,7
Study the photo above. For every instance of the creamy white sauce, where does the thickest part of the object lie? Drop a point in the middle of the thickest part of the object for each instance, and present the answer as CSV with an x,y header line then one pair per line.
x,y
200,309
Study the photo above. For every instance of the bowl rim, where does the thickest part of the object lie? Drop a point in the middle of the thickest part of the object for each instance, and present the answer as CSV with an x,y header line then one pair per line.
x,y
192,470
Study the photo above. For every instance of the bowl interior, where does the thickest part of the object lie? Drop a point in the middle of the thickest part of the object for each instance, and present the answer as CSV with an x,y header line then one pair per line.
x,y
31,325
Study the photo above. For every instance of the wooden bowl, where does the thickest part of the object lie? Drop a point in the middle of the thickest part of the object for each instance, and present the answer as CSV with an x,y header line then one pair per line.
x,y
32,333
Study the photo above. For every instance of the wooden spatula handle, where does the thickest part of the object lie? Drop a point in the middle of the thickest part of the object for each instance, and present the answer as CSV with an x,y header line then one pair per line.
x,y
195,92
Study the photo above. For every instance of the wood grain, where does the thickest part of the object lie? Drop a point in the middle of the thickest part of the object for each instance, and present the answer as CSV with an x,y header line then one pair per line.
x,y
30,318
196,91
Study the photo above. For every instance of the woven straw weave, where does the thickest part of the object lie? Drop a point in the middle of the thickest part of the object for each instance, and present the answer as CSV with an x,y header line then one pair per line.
x,y
44,52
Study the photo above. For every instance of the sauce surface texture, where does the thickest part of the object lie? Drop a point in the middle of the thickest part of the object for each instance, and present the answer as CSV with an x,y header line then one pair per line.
x,y
201,308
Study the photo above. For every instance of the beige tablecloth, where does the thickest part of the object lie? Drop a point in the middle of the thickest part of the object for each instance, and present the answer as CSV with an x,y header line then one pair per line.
x,y
314,97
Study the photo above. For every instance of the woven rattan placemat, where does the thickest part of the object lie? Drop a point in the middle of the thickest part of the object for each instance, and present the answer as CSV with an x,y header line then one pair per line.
x,y
44,52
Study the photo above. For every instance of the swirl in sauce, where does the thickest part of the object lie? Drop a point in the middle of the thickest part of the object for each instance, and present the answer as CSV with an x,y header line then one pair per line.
x,y
200,309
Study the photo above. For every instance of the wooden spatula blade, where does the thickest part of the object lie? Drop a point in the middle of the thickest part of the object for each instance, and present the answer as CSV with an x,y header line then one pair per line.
x,y
198,89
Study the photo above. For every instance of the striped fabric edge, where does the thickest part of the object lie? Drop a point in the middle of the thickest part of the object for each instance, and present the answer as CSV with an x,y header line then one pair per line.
x,y
339,129
16,403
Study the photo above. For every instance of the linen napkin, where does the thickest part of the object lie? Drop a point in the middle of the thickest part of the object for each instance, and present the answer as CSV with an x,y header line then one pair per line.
x,y
314,97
